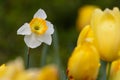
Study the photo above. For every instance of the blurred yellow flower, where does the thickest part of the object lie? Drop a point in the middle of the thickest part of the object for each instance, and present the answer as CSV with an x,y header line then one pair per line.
x,y
84,16
115,70
30,74
106,28
48,73
86,35
15,70
2,70
84,63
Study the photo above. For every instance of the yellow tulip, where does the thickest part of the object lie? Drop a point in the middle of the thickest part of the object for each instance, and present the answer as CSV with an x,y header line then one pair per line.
x,y
115,70
106,28
84,15
86,35
84,63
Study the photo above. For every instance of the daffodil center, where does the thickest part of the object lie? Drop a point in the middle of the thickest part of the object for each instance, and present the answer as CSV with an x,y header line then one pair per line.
x,y
38,26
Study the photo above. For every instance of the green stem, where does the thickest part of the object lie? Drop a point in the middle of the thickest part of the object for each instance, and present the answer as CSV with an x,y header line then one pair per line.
x,y
56,48
57,55
109,68
28,58
43,55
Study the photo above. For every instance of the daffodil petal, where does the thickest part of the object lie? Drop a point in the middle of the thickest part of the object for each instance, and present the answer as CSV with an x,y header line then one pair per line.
x,y
24,30
50,28
31,41
46,38
40,14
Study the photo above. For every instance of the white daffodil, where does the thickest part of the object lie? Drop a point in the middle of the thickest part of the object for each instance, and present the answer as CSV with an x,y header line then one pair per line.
x,y
37,31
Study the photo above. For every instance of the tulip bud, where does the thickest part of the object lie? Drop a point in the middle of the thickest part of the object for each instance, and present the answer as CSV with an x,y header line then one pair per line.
x,y
84,63
106,28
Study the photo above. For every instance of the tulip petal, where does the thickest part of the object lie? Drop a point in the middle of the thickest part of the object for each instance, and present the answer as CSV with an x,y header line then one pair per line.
x,y
45,38
86,35
31,41
40,14
96,17
116,14
106,27
50,28
24,30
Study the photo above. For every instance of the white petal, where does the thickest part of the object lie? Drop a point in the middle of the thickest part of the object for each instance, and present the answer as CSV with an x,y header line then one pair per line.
x,y
50,28
40,14
45,38
24,30
31,41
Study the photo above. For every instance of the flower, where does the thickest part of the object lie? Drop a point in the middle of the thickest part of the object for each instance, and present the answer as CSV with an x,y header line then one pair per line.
x,y
2,70
106,29
37,31
84,63
86,35
14,70
84,16
49,72
115,70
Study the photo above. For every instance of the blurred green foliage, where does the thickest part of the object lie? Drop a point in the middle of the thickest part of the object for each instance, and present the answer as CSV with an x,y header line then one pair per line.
x,y
62,13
